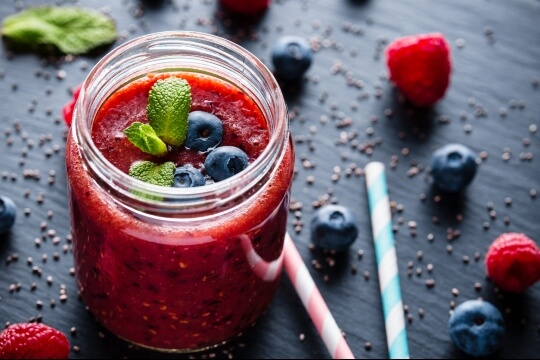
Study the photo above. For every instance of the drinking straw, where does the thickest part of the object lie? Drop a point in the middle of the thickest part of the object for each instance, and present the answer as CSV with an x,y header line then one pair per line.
x,y
265,270
385,252
314,303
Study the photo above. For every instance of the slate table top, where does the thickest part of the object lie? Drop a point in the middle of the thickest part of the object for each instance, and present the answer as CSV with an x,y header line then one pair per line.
x,y
492,106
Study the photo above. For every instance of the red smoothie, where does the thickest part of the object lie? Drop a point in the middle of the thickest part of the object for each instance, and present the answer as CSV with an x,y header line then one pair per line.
x,y
169,285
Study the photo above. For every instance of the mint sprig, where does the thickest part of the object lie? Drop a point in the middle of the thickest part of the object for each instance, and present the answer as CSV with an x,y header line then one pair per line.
x,y
168,108
73,30
169,102
144,137
157,174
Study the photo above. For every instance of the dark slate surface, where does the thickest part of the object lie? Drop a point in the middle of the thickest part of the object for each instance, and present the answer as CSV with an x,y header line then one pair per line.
x,y
493,106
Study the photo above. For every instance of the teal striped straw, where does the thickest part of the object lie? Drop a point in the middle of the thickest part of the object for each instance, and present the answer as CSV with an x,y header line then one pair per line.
x,y
385,252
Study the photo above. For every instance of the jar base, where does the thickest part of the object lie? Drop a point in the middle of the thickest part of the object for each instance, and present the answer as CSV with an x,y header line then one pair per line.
x,y
175,351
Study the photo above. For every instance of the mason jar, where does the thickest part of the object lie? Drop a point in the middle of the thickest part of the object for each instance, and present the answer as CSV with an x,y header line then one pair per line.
x,y
178,269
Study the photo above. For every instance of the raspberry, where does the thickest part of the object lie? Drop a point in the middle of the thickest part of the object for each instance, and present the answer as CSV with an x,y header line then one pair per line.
x,y
33,341
246,7
513,262
420,67
67,112
67,109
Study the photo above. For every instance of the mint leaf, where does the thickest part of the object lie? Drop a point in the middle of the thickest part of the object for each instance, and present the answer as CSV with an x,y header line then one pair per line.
x,y
144,137
157,174
168,108
73,30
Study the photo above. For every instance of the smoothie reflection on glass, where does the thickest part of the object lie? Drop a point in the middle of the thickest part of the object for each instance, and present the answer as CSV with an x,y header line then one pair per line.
x,y
178,269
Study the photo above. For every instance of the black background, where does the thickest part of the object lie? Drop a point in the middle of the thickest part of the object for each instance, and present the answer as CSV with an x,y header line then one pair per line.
x,y
492,106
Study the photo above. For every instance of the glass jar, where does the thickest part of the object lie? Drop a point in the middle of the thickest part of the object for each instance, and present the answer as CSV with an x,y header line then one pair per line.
x,y
178,269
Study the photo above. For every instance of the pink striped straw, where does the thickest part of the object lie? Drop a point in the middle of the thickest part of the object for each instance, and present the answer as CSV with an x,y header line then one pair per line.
x,y
314,303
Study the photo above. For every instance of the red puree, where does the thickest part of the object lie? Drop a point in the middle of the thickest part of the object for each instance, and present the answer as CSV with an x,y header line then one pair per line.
x,y
176,286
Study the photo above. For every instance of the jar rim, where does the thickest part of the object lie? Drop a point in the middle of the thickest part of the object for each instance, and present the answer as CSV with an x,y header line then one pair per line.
x,y
172,198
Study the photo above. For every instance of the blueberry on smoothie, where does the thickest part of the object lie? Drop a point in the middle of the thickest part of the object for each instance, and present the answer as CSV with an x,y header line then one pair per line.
x,y
453,167
224,162
291,56
188,176
8,212
205,131
476,327
333,227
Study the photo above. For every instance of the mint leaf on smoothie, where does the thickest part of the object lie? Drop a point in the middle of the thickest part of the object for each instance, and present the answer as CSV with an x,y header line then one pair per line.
x,y
168,108
157,174
144,137
72,30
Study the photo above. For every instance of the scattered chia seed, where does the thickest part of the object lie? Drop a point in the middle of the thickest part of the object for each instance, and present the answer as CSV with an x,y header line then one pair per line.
x,y
409,318
477,286
366,275
483,155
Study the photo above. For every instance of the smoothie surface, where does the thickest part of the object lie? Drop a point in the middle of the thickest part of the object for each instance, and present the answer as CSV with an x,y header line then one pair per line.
x,y
243,123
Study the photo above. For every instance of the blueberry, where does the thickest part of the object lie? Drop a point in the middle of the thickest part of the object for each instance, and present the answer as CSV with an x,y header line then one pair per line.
x,y
224,162
333,227
291,56
453,167
188,176
205,131
8,212
476,327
